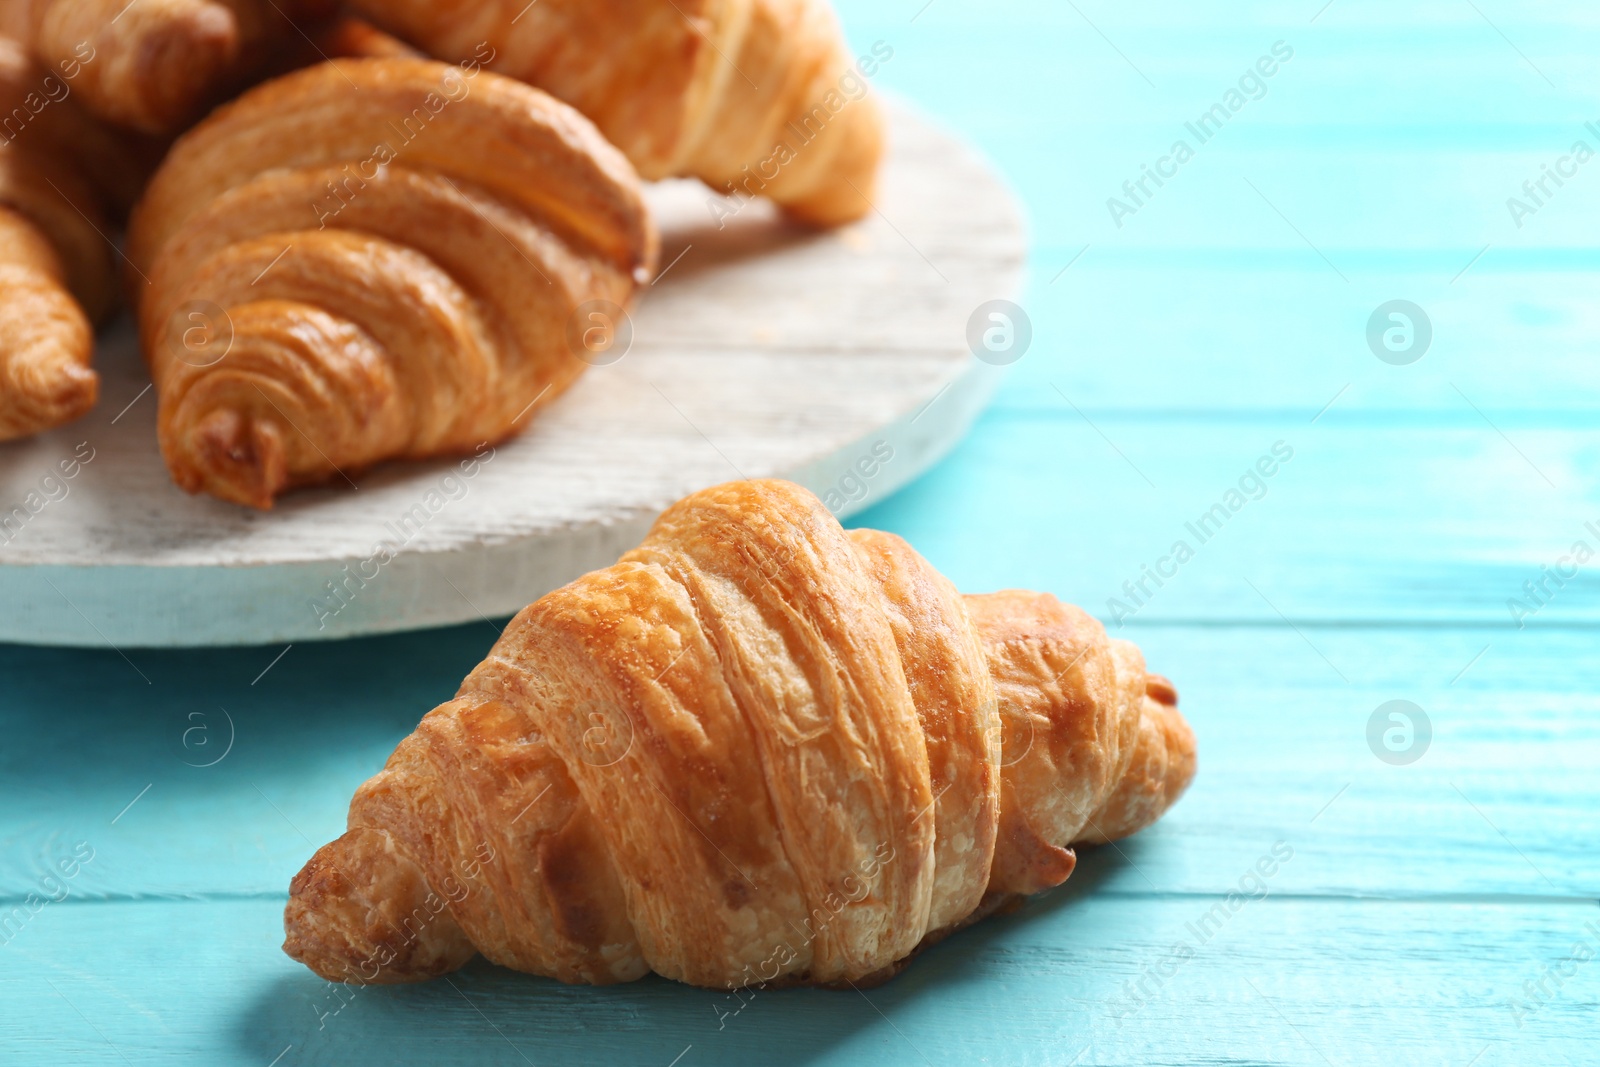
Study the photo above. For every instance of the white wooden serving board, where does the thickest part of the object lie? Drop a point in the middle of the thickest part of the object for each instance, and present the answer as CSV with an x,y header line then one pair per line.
x,y
761,351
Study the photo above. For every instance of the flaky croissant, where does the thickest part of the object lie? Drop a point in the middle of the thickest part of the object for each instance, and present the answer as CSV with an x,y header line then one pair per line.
x,y
755,97
758,748
64,180
152,65
333,276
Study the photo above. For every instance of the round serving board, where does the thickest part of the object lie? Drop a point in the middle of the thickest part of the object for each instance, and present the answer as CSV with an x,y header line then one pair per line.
x,y
837,359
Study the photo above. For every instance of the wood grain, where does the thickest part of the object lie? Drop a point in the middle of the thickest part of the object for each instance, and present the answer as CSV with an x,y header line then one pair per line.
x,y
1285,981
1421,901
1284,756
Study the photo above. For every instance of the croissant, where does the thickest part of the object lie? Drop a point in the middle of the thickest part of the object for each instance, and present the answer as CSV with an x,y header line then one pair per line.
x,y
152,65
329,278
755,97
756,749
355,38
64,179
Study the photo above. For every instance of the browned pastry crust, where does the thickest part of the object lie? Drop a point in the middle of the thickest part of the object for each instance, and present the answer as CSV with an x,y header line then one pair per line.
x,y
356,39
64,179
372,259
756,97
155,65
45,339
757,749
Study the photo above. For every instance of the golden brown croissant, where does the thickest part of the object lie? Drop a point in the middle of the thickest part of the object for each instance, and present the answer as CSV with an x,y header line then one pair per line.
x,y
758,748
329,278
152,65
45,340
755,97
355,38
63,180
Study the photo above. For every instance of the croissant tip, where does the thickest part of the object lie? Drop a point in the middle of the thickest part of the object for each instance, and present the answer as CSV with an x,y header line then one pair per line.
x,y
48,397
237,457
207,37
832,207
361,912
1160,689
181,59
846,191
80,389
313,936
73,391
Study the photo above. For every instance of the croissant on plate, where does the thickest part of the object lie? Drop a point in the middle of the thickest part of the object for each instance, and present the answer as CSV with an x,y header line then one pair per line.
x,y
755,97
153,65
65,180
757,749
330,277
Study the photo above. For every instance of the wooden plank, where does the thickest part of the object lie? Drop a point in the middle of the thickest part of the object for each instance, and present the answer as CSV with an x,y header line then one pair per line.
x,y
1369,521
1280,980
1321,545
1282,719
1391,142
1424,904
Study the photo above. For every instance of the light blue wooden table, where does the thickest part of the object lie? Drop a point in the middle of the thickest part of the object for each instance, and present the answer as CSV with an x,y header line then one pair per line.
x,y
1439,904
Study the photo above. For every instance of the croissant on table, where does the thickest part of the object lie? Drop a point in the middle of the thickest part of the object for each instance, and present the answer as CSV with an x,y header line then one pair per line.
x,y
757,749
65,181
153,65
373,259
755,97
